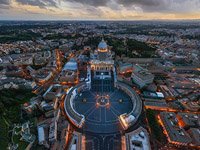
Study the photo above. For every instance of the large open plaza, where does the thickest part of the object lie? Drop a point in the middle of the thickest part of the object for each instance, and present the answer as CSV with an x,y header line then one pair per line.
x,y
102,110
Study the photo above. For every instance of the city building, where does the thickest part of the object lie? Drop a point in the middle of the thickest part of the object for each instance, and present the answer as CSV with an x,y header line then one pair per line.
x,y
175,133
125,68
189,120
41,58
154,95
32,105
53,92
42,75
191,106
195,135
142,77
53,131
16,83
156,104
138,140
41,136
69,72
76,142
102,63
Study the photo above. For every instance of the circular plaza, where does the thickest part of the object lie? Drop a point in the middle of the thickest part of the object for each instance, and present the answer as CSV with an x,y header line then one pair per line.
x,y
108,110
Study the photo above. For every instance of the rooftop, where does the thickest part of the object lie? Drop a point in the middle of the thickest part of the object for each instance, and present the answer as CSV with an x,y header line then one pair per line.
x,y
175,133
71,65
138,140
190,119
195,134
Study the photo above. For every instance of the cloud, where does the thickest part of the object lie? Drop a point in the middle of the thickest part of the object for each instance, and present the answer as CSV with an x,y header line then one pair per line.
x,y
90,2
101,9
4,2
125,3
39,3
141,2
162,6
171,6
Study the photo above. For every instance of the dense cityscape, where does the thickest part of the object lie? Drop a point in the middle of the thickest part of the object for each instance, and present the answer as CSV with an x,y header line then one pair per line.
x,y
100,85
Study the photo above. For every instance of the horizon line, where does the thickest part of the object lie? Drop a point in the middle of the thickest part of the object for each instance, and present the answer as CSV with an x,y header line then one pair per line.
x,y
173,20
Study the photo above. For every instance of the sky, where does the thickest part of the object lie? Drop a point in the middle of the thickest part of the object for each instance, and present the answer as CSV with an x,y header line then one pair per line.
x,y
99,9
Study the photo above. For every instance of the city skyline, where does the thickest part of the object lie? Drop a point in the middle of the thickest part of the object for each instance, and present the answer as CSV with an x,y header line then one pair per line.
x,y
99,10
103,85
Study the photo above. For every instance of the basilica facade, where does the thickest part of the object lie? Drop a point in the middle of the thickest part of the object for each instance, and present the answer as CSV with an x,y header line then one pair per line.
x,y
101,62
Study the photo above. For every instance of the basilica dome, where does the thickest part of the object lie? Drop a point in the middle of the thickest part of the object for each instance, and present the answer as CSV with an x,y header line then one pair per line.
x,y
102,45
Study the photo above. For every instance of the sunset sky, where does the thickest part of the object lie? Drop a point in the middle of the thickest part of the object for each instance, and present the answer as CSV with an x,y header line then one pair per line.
x,y
99,9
